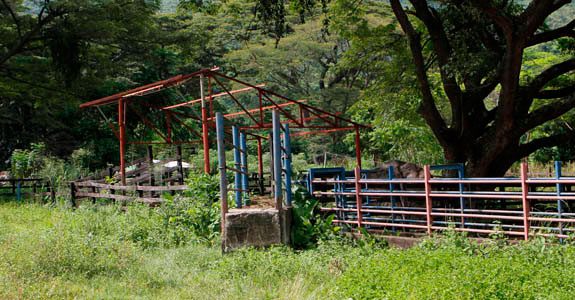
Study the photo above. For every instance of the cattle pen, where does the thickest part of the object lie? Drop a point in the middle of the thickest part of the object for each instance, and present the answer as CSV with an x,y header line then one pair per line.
x,y
512,206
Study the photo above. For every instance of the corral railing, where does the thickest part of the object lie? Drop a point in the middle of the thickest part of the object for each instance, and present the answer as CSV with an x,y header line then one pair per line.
x,y
145,171
137,193
517,206
28,186
16,185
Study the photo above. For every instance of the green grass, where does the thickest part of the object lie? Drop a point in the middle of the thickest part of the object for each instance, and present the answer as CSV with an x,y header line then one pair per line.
x,y
97,253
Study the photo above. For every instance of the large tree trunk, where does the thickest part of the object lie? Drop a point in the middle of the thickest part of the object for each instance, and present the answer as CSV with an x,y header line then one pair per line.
x,y
488,140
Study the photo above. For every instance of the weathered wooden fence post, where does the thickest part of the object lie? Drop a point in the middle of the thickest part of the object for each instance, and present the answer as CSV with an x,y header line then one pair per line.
x,y
140,192
52,192
180,164
151,168
93,190
73,194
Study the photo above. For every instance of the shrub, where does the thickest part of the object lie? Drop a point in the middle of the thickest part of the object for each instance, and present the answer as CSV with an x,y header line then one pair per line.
x,y
309,227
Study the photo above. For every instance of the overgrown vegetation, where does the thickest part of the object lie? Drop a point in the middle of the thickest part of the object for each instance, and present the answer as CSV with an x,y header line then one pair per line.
x,y
55,253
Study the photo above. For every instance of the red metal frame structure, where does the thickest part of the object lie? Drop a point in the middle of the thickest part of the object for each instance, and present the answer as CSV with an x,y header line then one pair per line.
x,y
328,122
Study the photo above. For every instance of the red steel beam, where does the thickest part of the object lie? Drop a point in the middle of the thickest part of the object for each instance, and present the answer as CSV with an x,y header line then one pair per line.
x,y
428,202
261,109
357,147
151,90
525,201
193,131
161,108
113,129
185,115
236,100
322,131
287,114
205,132
268,126
358,200
166,83
122,125
211,97
285,98
323,118
169,126
165,143
148,123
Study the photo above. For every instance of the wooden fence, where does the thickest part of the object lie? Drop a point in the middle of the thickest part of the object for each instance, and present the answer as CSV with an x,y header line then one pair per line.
x,y
95,190
28,186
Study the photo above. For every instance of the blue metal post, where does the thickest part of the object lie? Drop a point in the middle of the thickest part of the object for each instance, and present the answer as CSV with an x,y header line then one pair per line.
x,y
277,159
340,187
461,175
237,166
309,182
222,167
244,160
366,186
19,191
287,163
559,187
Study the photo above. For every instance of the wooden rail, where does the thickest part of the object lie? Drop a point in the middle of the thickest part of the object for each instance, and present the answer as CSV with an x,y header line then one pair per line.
x,y
26,183
116,192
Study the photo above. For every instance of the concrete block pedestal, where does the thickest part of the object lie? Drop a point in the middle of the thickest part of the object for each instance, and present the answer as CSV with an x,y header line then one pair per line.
x,y
256,228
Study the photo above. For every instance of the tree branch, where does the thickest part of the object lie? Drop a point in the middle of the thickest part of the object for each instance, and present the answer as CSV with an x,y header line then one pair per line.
x,y
9,75
551,73
16,20
496,15
535,14
29,35
546,113
550,141
559,93
547,36
442,48
428,109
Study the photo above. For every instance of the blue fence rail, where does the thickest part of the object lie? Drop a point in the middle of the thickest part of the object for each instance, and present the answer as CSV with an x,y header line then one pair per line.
x,y
478,205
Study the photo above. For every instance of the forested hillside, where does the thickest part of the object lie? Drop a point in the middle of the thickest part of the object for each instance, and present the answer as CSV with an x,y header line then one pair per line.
x,y
343,56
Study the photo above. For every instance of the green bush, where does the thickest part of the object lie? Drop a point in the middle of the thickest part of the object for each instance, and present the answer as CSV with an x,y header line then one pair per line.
x,y
27,162
308,226
191,218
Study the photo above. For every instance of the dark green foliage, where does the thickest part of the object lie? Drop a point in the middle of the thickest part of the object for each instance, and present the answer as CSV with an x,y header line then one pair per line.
x,y
308,226
193,218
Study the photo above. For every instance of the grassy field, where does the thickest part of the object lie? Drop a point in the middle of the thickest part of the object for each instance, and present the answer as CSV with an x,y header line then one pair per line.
x,y
98,253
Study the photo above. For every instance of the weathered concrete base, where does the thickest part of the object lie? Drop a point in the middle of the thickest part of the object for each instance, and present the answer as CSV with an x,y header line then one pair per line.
x,y
393,241
409,241
256,228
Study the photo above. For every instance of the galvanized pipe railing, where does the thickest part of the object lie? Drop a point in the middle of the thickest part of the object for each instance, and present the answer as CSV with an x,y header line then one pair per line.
x,y
517,222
